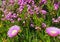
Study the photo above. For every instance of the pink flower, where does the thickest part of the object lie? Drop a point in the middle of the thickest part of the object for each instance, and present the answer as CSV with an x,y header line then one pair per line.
x,y
21,8
55,20
56,6
43,12
19,19
44,1
52,31
11,1
14,15
13,31
43,25
8,16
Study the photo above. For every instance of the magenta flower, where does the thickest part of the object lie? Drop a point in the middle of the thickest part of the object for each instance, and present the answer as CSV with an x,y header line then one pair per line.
x,y
44,1
31,11
29,7
8,16
52,31
56,6
13,31
29,1
43,25
21,8
36,9
33,2
11,1
43,12
56,21
14,15
19,19
21,2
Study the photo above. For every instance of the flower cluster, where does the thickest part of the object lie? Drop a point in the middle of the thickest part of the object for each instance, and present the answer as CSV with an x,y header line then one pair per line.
x,y
31,14
10,16
32,8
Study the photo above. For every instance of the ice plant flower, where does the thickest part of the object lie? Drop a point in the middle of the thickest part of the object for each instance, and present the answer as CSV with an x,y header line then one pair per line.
x,y
11,1
56,6
13,31
56,21
44,1
21,8
19,19
21,2
14,15
31,11
36,9
43,25
52,31
43,12
8,16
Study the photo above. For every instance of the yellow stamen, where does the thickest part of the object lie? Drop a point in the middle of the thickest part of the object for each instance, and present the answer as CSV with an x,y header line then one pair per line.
x,y
53,32
14,31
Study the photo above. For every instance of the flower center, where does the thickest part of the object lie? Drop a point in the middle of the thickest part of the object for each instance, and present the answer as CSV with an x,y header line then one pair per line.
x,y
14,31
53,32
